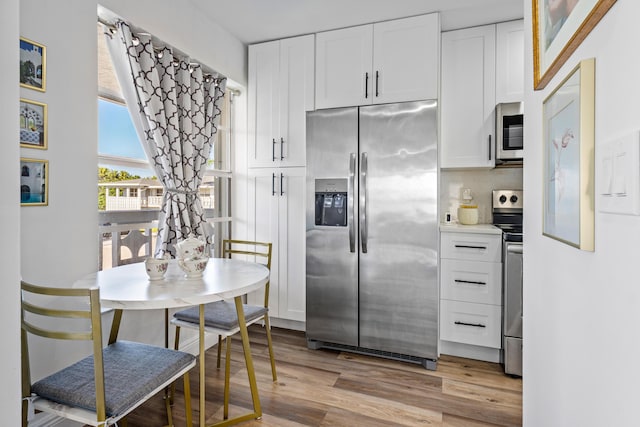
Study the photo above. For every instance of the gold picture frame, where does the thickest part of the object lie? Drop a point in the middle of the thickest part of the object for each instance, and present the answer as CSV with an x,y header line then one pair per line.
x,y
33,124
34,182
559,31
569,141
33,65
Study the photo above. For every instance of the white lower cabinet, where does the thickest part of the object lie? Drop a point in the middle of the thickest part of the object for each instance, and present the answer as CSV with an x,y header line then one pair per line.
x,y
471,292
470,323
276,203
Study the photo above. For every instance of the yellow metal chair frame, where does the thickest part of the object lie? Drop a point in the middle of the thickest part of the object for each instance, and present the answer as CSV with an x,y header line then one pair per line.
x,y
90,329
230,247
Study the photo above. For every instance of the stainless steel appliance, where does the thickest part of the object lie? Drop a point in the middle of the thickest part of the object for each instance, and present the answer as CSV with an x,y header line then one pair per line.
x,y
507,214
372,230
509,132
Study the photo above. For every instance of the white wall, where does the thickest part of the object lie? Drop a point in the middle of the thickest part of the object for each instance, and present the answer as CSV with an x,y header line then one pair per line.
x,y
10,214
582,309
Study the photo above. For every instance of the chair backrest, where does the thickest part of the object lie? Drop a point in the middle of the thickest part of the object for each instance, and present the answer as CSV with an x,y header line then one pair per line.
x,y
261,250
39,318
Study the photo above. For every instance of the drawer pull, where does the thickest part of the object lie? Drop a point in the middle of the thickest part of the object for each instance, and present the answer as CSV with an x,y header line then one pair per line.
x,y
469,281
475,325
471,247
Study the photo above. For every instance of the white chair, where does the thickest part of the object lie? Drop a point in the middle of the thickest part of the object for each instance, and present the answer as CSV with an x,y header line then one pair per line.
x,y
221,317
100,389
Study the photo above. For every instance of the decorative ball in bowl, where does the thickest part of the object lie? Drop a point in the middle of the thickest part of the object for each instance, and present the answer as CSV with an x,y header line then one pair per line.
x,y
156,267
193,267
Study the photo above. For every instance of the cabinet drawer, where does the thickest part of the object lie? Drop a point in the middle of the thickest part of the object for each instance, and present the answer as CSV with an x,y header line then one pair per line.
x,y
469,323
471,281
471,246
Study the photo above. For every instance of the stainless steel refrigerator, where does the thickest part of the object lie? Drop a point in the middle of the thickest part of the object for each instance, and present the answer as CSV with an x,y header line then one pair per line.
x,y
372,230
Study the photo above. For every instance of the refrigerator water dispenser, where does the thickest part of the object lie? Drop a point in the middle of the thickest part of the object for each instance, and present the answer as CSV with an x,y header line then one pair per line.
x,y
331,202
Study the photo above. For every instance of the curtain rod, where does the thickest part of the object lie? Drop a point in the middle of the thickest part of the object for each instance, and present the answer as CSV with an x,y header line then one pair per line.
x,y
209,73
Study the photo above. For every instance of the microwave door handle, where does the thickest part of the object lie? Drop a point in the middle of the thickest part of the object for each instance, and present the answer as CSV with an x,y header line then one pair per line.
x,y
350,204
489,147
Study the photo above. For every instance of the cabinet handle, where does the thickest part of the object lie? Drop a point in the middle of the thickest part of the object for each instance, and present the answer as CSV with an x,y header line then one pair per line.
x,y
281,144
273,184
471,247
273,150
281,188
377,84
473,282
489,147
366,85
475,325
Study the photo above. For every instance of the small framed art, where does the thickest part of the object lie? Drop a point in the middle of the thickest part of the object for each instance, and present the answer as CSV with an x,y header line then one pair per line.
x,y
559,26
33,65
569,129
34,182
33,124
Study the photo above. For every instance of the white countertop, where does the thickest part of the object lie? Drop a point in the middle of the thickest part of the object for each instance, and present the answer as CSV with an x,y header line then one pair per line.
x,y
477,228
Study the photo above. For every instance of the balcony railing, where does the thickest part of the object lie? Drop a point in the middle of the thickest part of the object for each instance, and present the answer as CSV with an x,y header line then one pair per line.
x,y
130,236
124,203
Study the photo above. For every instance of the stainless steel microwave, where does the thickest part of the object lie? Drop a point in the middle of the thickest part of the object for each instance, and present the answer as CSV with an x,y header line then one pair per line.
x,y
509,132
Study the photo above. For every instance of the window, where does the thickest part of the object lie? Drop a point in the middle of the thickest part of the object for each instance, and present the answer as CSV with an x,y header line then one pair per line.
x,y
121,157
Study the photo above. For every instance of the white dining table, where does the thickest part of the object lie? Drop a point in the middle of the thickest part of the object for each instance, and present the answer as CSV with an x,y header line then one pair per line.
x,y
128,287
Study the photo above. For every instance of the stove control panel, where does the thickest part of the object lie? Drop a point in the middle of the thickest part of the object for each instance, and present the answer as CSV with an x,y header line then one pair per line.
x,y
507,201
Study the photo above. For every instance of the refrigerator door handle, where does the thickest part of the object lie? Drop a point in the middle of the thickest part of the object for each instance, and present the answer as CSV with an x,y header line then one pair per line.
x,y
350,205
363,202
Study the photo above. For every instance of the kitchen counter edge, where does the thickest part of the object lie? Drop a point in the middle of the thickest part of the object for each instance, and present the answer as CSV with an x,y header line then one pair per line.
x,y
477,228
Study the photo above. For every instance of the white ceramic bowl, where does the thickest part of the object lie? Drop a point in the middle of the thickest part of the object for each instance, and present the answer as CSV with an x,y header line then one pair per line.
x,y
193,267
156,267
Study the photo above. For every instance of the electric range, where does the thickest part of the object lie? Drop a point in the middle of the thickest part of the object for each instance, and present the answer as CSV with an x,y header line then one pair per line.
x,y
507,212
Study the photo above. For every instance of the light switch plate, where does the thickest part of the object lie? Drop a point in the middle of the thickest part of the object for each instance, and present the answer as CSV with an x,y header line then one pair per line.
x,y
619,175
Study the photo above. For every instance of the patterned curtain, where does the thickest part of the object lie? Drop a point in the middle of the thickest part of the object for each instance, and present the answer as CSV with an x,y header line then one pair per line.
x,y
176,112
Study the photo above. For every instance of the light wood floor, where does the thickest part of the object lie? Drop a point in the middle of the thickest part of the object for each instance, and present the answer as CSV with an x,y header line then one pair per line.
x,y
330,388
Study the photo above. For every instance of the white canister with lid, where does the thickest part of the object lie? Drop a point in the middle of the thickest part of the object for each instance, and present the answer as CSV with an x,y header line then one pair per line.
x,y
468,211
468,214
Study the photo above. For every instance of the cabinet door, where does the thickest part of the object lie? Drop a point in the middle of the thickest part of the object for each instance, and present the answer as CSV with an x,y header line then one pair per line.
x,y
276,204
291,244
343,67
264,103
296,98
405,59
510,61
263,206
468,98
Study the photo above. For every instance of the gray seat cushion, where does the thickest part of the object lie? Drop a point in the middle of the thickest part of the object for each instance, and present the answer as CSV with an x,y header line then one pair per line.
x,y
131,372
220,314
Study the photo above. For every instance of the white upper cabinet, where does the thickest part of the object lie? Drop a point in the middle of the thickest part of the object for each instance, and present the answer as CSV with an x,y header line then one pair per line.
x,y
343,67
390,61
510,61
468,98
281,81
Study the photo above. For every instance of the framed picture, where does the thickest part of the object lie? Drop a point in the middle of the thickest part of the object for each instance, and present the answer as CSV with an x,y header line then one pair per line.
x,y
559,26
34,182
569,116
33,65
33,124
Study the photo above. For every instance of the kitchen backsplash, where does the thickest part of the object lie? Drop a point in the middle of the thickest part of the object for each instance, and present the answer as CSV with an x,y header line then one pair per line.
x,y
481,183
